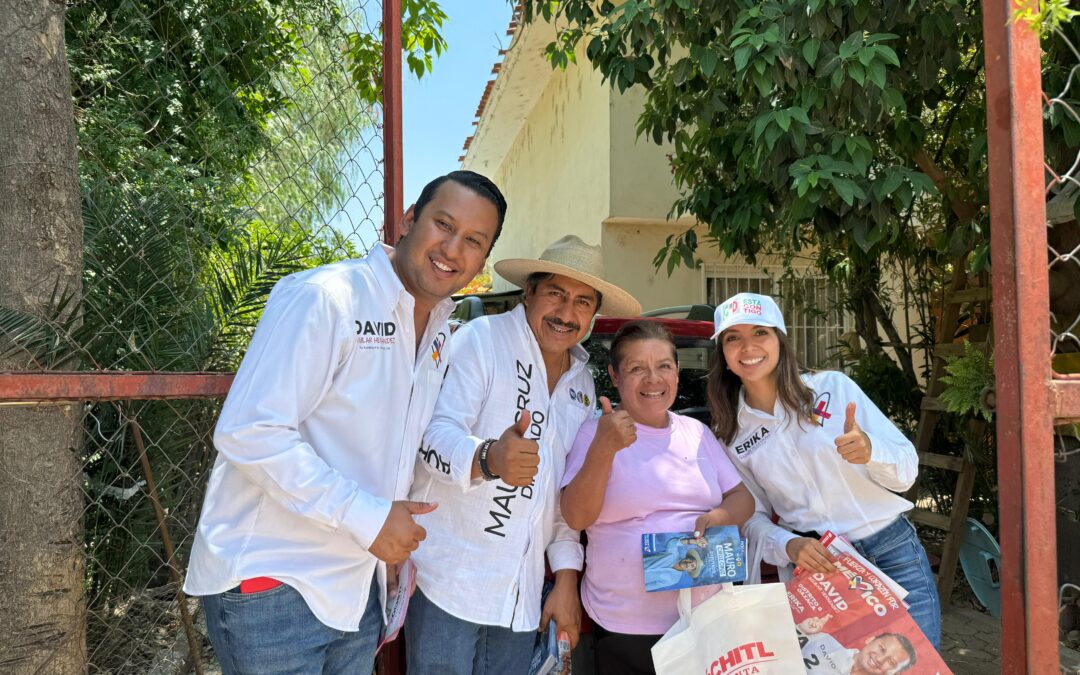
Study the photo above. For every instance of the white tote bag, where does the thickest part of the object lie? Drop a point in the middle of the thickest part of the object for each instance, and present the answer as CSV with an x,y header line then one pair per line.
x,y
742,630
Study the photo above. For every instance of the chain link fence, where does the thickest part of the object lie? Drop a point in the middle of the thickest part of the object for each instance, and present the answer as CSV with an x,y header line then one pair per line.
x,y
1062,111
1062,114
222,145
145,465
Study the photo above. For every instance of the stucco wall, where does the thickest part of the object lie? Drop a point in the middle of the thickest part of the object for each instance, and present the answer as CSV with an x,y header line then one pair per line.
x,y
629,249
556,174
641,181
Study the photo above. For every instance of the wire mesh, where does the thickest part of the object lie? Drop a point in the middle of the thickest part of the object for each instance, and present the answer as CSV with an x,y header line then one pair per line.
x,y
222,145
1062,112
133,617
1062,103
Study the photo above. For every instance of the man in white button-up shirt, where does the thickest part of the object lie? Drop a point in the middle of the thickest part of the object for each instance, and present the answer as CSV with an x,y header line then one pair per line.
x,y
307,501
493,459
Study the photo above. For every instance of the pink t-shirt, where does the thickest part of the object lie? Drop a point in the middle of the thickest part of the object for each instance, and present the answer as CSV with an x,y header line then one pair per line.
x,y
661,483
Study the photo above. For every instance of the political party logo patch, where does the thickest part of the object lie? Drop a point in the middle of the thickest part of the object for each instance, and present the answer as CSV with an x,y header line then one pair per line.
x,y
821,412
730,309
436,349
751,306
581,397
750,442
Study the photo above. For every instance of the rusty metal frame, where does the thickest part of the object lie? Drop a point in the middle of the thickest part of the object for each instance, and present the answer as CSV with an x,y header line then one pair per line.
x,y
44,387
391,658
1065,400
393,203
1029,643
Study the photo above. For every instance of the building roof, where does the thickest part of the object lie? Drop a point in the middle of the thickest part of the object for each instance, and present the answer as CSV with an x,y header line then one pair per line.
x,y
511,94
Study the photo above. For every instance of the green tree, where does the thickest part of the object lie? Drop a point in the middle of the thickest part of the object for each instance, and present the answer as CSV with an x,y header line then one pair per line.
x,y
853,129
233,104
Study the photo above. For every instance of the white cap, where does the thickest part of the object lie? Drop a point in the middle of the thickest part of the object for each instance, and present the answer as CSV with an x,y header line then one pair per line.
x,y
751,308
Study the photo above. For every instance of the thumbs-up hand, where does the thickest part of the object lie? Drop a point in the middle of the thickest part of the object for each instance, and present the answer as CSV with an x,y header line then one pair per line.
x,y
853,445
616,429
605,406
514,458
400,535
814,624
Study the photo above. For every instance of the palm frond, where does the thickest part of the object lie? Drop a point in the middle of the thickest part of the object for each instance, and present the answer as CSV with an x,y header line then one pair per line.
x,y
240,279
43,341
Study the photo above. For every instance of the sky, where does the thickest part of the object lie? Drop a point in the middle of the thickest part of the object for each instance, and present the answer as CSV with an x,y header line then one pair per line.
x,y
437,111
437,114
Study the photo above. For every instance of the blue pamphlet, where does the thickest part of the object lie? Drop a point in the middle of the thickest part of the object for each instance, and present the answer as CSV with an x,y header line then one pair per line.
x,y
552,654
675,560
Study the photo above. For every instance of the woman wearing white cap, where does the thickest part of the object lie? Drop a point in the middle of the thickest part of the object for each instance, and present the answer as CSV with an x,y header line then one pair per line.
x,y
817,452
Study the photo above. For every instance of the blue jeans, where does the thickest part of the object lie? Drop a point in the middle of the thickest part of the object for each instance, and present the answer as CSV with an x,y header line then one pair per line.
x,y
274,633
438,643
897,551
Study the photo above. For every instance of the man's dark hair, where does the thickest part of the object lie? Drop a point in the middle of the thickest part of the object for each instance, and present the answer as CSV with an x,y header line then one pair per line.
x,y
913,655
481,185
534,279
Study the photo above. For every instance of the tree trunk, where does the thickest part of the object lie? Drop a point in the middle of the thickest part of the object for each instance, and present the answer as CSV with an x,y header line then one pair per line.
x,y
903,353
42,605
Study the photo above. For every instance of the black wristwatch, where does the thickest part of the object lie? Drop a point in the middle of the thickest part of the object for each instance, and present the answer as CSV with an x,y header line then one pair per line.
x,y
484,470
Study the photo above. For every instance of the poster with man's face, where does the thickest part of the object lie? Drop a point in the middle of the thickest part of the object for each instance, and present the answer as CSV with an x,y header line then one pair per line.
x,y
851,622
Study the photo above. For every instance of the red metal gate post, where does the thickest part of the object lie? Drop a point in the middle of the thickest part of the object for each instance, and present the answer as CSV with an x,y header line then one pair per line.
x,y
1021,343
393,204
391,659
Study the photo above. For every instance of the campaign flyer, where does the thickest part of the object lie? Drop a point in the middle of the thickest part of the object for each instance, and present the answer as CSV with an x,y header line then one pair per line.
x,y
552,653
398,603
851,621
675,560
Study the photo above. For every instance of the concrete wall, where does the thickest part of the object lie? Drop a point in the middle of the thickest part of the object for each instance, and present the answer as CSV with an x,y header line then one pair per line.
x,y
629,249
641,180
557,173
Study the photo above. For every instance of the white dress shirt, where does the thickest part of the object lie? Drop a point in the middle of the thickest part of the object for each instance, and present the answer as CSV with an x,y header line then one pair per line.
x,y
483,560
318,436
793,468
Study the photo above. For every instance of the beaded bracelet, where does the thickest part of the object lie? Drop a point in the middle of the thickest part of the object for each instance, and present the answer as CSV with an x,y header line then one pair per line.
x,y
484,469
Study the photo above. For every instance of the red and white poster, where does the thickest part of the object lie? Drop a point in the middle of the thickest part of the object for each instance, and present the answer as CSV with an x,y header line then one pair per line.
x,y
853,622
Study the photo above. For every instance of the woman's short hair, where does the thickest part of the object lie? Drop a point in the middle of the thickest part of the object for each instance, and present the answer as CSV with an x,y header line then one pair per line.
x,y
637,330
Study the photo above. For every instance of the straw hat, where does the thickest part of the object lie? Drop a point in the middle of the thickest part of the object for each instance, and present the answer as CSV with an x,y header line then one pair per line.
x,y
571,257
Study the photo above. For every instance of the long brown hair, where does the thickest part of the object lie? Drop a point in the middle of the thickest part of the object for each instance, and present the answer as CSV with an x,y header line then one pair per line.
x,y
724,386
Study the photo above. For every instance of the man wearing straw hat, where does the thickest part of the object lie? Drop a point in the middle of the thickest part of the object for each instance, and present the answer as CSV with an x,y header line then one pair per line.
x,y
493,458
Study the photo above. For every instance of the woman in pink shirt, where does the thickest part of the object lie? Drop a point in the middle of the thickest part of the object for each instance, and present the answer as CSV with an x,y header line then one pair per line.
x,y
637,470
